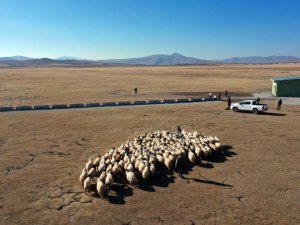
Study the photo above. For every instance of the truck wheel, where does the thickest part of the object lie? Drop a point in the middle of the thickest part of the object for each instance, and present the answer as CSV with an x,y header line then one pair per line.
x,y
235,109
254,111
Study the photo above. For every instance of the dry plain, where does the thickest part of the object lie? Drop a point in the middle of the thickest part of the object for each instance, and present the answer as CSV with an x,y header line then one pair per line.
x,y
255,181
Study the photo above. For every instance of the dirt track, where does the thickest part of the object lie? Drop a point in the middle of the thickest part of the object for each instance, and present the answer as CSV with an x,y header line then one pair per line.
x,y
255,182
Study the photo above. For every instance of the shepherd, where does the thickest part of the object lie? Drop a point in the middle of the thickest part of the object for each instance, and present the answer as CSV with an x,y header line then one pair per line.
x,y
279,103
257,100
180,165
228,102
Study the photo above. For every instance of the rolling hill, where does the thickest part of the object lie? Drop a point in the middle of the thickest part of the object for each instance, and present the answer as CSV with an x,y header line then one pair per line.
x,y
152,60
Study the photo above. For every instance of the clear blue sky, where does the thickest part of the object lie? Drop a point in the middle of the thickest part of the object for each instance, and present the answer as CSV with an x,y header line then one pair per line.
x,y
98,29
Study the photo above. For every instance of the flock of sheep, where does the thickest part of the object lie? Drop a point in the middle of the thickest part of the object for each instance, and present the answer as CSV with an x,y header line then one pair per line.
x,y
137,159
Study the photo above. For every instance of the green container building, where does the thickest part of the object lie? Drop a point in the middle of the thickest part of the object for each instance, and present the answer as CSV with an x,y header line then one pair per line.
x,y
286,86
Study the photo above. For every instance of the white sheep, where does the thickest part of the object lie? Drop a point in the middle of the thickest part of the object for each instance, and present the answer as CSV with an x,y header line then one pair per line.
x,y
87,183
129,167
192,157
168,163
131,178
121,164
152,169
92,172
103,176
97,161
109,180
197,151
141,154
83,176
115,169
141,167
100,187
160,158
109,168
89,164
145,173
101,167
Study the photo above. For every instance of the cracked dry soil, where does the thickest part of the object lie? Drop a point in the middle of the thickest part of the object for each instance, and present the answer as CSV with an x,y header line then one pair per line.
x,y
256,181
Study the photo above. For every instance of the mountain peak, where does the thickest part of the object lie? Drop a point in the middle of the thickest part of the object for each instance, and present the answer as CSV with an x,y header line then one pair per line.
x,y
176,54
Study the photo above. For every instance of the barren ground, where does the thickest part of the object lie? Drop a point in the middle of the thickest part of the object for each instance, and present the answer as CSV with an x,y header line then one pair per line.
x,y
81,85
256,181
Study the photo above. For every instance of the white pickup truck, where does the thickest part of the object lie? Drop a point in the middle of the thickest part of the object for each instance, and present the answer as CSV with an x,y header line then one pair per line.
x,y
249,106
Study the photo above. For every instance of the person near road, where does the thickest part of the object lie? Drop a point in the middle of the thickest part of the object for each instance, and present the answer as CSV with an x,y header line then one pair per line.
x,y
226,93
257,100
279,103
209,94
228,102
219,96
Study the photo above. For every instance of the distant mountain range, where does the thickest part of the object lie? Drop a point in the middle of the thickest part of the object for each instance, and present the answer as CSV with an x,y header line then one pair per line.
x,y
152,60
259,59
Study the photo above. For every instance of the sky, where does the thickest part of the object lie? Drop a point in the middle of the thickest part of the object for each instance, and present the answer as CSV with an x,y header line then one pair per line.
x,y
102,29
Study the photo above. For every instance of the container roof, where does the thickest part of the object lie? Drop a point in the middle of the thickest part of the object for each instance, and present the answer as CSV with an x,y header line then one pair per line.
x,y
285,78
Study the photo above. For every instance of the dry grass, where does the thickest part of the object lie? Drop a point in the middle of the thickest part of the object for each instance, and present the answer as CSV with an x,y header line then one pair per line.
x,y
76,85
42,153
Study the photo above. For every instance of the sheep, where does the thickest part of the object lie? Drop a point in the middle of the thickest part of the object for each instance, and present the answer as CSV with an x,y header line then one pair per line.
x,y
100,187
218,145
83,176
126,158
131,178
101,167
141,154
152,169
111,151
171,157
152,159
92,172
160,158
145,173
97,161
197,151
191,157
121,164
168,163
103,176
107,162
112,161
89,164
109,168
109,180
115,169
141,167
208,150
129,167
212,146
118,156
87,183
136,164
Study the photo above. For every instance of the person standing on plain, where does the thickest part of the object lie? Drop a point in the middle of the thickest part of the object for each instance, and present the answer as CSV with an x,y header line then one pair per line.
x,y
180,165
229,102
226,93
279,103
135,91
